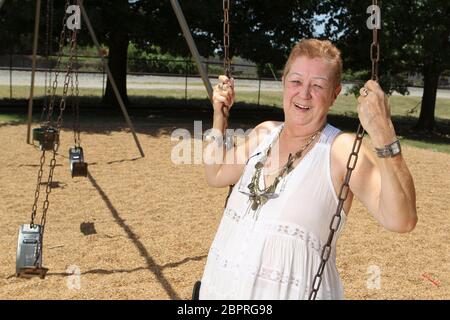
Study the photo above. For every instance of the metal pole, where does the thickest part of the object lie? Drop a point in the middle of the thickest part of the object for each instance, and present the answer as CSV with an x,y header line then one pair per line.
x,y
110,77
259,90
103,79
185,81
10,74
33,66
190,41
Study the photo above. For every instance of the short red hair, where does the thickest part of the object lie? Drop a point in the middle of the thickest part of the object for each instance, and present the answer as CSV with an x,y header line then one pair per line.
x,y
314,48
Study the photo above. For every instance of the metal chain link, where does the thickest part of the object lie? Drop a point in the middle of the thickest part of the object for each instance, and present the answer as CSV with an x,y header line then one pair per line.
x,y
77,138
74,93
58,62
336,220
50,105
375,49
226,37
226,66
226,47
48,52
52,10
345,188
62,106
47,41
38,187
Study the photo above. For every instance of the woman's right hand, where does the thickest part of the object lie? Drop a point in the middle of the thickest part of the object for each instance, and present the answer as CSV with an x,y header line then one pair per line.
x,y
223,96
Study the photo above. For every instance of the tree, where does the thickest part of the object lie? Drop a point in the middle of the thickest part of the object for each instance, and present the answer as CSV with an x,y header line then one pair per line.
x,y
113,23
17,25
119,20
414,38
261,30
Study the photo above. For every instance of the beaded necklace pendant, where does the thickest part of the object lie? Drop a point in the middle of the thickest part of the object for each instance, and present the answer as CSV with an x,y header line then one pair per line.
x,y
259,197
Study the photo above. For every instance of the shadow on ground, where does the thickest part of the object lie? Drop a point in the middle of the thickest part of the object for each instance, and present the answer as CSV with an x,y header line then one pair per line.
x,y
160,116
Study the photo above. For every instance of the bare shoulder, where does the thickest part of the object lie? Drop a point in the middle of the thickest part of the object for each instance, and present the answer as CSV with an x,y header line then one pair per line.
x,y
342,144
270,125
341,149
263,129
256,135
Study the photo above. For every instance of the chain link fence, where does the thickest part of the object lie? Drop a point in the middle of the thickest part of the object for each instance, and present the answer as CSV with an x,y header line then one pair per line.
x,y
174,78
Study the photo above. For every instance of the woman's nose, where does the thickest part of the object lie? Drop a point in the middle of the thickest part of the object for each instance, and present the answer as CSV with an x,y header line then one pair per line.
x,y
305,91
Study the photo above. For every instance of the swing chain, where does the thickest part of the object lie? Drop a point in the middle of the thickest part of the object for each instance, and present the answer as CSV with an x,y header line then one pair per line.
x,y
375,50
351,164
74,92
227,66
226,47
47,74
52,165
50,108
58,63
36,193
62,107
226,37
336,220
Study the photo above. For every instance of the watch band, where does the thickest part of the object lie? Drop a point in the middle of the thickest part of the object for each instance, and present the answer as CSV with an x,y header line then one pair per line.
x,y
389,150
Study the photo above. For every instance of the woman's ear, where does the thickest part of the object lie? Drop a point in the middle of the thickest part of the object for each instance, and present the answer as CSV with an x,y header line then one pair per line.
x,y
337,91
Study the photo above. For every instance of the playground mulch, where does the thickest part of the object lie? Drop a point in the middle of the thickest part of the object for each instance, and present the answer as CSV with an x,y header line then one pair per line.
x,y
140,228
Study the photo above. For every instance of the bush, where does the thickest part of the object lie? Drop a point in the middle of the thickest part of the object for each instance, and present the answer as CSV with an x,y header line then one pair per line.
x,y
140,61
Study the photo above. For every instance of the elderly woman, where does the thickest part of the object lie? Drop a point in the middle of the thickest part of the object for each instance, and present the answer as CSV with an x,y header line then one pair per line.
x,y
276,221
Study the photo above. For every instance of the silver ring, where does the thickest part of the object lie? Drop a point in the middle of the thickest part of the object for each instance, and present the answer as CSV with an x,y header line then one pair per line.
x,y
365,92
224,86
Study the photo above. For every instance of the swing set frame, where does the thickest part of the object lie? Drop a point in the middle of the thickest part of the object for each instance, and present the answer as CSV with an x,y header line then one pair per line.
x,y
100,55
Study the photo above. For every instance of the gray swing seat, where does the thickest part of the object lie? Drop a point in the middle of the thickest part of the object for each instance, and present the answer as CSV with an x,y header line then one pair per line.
x,y
28,245
78,167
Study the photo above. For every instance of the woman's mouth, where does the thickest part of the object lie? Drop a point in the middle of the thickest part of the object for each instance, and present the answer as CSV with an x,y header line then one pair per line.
x,y
302,106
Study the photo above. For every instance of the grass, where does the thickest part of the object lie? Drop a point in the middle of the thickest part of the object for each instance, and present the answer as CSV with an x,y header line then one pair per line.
x,y
404,109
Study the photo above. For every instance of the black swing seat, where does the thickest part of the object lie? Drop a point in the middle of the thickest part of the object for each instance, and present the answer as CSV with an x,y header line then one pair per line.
x,y
46,137
78,167
196,290
29,272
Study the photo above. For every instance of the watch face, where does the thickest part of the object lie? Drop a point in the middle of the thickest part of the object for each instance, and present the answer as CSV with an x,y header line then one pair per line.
x,y
395,148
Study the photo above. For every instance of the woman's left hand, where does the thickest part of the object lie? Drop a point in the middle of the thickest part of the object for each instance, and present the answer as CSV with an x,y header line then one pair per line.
x,y
375,114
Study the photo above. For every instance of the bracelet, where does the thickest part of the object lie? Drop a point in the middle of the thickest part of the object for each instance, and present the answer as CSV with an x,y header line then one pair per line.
x,y
219,139
389,150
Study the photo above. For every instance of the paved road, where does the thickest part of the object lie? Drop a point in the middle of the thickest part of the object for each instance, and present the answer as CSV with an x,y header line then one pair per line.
x,y
23,78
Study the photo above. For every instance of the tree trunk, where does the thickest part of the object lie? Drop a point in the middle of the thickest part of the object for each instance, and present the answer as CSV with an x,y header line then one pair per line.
x,y
431,75
117,62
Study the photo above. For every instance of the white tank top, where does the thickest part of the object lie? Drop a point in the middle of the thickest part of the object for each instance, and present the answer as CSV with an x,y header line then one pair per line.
x,y
277,255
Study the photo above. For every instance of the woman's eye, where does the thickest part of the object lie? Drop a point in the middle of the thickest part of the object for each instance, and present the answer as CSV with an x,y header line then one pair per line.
x,y
317,86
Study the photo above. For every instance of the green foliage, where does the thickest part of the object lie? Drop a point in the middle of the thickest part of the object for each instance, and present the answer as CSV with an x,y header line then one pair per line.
x,y
268,70
388,82
412,33
16,26
141,61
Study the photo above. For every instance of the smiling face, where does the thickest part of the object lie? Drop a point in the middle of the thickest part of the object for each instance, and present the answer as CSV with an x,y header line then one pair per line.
x,y
309,90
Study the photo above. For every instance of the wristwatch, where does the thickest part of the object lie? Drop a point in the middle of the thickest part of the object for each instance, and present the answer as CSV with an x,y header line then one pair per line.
x,y
389,150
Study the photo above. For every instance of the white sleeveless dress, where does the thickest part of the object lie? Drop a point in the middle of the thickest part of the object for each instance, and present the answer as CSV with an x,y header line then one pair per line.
x,y
277,255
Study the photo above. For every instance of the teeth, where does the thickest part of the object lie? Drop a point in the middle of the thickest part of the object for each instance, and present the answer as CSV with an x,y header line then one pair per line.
x,y
301,106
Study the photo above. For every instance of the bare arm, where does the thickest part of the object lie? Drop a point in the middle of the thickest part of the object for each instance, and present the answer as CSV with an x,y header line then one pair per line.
x,y
384,185
225,167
